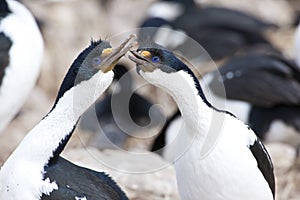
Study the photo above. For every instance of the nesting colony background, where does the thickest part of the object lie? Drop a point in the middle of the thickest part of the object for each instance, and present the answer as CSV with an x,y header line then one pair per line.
x,y
68,25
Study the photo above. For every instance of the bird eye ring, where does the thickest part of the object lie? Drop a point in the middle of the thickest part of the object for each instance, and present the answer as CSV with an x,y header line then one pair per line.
x,y
96,60
155,59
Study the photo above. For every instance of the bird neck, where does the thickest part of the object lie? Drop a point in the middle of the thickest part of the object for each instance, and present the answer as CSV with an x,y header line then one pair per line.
x,y
42,142
196,111
186,91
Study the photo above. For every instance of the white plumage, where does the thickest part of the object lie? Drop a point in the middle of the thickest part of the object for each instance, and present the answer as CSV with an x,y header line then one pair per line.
x,y
213,160
25,60
21,176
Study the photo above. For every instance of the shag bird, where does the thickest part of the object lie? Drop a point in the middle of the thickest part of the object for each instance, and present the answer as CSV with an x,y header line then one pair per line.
x,y
21,51
219,157
220,31
119,114
35,170
263,90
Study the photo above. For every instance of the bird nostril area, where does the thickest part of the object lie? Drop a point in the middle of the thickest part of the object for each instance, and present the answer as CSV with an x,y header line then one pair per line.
x,y
106,51
145,53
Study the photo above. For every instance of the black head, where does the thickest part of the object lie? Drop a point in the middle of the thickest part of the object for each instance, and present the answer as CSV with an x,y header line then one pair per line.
x,y
151,56
99,56
4,9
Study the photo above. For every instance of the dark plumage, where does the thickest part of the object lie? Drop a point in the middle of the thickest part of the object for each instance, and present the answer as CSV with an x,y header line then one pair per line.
x,y
269,83
274,80
264,163
160,140
261,118
5,46
69,178
221,31
4,9
82,68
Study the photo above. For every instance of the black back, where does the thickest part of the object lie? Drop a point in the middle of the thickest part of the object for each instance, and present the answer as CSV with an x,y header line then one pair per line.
x,y
5,45
264,163
74,181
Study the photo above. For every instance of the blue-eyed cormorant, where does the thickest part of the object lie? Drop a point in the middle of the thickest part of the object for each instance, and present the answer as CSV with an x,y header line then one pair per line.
x,y
21,51
261,89
35,170
219,157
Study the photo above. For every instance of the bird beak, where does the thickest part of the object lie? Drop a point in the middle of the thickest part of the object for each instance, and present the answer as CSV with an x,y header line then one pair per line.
x,y
112,56
142,61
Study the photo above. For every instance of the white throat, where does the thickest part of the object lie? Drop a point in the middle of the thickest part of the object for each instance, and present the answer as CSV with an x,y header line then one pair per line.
x,y
29,159
180,85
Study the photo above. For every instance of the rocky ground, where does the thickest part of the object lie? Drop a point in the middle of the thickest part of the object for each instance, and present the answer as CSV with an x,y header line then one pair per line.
x,y
67,27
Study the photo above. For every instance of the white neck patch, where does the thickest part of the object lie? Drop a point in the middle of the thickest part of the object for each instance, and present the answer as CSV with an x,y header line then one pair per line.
x,y
181,86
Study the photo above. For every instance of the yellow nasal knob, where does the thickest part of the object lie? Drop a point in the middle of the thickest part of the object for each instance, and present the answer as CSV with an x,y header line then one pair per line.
x,y
145,53
106,51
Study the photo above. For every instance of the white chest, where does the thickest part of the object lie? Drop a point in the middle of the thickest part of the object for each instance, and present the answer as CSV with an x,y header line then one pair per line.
x,y
228,172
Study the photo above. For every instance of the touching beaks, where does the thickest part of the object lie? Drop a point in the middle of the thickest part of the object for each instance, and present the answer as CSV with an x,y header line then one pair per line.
x,y
142,59
112,56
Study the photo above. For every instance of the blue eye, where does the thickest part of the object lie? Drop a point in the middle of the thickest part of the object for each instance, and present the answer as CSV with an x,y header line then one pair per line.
x,y
155,59
96,60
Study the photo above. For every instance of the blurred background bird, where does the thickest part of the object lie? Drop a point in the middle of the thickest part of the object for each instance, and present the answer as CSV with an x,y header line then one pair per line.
x,y
21,52
117,117
220,31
